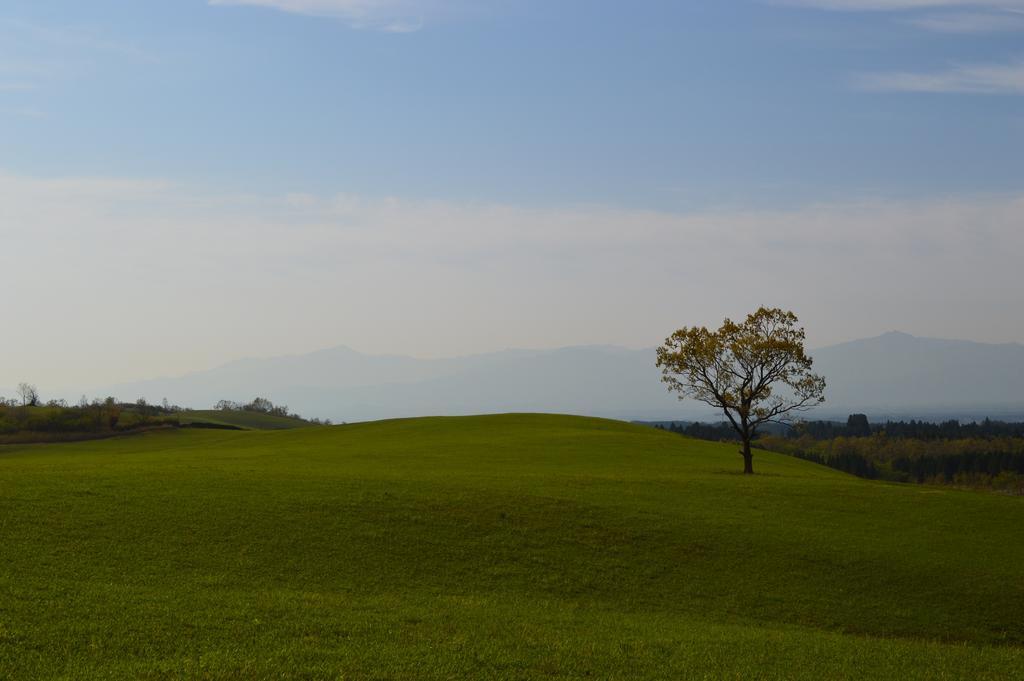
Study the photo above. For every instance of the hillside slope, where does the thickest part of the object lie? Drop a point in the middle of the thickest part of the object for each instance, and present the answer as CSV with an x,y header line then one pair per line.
x,y
253,420
516,546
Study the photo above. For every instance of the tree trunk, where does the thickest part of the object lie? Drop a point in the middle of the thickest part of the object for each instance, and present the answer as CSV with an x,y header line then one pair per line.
x,y
748,457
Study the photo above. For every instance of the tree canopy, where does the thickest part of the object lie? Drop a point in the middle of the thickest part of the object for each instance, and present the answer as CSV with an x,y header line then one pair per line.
x,y
756,371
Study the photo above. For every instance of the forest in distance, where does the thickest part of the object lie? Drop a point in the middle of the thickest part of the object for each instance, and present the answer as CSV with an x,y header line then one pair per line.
x,y
987,454
29,419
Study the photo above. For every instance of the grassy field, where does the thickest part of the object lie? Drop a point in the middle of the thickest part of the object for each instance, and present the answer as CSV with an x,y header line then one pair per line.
x,y
251,420
497,547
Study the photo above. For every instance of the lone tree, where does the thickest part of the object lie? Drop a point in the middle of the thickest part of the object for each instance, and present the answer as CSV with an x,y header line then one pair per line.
x,y
28,394
755,372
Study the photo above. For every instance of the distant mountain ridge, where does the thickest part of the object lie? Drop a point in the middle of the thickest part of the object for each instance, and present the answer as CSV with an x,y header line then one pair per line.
x,y
898,372
894,374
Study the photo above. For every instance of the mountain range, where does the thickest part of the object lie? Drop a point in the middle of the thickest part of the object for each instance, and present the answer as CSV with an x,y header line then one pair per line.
x,y
894,375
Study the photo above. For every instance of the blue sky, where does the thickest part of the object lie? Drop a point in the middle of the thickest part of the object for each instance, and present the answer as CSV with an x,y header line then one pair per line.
x,y
672,105
500,173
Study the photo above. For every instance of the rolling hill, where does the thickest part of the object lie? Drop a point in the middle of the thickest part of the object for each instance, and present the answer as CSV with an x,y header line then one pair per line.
x,y
249,420
514,546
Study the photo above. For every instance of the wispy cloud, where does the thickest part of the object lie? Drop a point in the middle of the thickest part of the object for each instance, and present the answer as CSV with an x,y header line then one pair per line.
x,y
26,71
396,16
467,276
73,38
941,16
993,79
41,56
970,22
897,5
23,112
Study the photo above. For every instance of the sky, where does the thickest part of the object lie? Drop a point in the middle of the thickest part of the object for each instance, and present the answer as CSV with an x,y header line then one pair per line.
x,y
188,182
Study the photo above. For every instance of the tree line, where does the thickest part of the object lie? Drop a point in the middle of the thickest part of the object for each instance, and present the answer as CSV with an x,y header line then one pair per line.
x,y
987,454
857,426
27,418
996,462
22,420
262,405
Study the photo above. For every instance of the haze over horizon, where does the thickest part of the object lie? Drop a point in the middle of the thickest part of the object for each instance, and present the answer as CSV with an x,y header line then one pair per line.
x,y
184,184
70,391
493,351
891,375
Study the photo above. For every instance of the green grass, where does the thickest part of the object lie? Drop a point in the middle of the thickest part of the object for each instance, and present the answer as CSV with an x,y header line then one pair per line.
x,y
251,420
497,547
